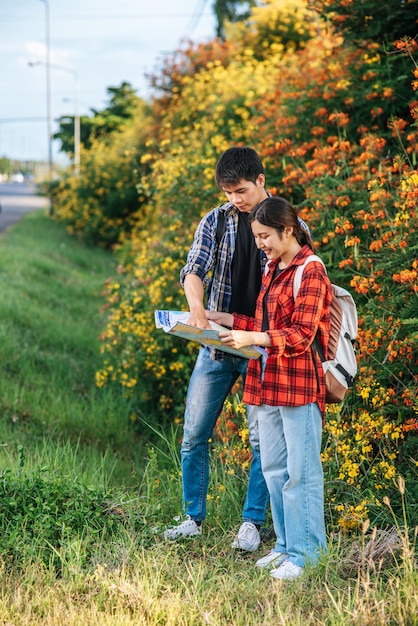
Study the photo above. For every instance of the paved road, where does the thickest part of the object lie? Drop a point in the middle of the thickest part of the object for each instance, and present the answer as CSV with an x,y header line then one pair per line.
x,y
16,199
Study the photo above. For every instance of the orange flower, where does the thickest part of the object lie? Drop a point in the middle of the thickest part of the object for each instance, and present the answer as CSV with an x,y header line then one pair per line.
x,y
411,424
342,201
397,124
407,45
375,246
340,119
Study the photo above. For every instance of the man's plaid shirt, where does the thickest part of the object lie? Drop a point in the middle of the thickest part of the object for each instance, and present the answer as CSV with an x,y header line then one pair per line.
x,y
212,264
205,256
290,375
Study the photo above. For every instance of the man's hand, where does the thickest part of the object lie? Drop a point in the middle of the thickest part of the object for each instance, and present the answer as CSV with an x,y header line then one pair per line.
x,y
193,288
199,320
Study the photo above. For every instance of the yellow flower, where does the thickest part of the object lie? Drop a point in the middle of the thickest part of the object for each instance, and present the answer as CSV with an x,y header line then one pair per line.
x,y
365,393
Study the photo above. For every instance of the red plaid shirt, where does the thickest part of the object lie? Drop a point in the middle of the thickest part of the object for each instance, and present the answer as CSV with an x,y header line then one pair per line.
x,y
290,377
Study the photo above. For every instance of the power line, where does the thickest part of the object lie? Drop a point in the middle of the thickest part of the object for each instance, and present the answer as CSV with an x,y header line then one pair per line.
x,y
195,19
60,16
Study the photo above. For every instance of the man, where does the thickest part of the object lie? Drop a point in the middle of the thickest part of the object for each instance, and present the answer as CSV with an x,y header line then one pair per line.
x,y
237,266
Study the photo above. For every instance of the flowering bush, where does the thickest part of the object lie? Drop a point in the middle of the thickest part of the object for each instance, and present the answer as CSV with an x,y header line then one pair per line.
x,y
107,199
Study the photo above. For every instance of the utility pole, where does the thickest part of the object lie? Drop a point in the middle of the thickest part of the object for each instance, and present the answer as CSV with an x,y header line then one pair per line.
x,y
48,93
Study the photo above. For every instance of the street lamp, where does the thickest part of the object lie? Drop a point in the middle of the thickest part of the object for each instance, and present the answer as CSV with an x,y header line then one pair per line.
x,y
76,111
48,89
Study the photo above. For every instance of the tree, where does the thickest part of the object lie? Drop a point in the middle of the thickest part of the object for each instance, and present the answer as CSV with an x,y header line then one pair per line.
x,y
5,166
231,11
122,105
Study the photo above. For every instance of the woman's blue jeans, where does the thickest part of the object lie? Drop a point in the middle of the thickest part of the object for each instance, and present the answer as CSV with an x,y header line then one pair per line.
x,y
210,384
290,445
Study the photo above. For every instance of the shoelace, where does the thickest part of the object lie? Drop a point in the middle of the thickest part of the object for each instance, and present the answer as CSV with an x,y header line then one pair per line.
x,y
247,532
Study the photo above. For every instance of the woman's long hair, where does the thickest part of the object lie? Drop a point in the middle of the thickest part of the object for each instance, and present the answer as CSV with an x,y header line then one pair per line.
x,y
278,213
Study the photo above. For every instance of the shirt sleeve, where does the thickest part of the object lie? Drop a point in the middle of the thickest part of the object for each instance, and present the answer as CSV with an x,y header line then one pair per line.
x,y
202,254
242,322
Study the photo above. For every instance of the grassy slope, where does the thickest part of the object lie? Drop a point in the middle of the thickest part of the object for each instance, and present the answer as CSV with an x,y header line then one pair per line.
x,y
50,319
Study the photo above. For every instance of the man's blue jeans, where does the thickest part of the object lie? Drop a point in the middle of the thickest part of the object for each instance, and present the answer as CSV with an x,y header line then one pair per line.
x,y
290,444
210,384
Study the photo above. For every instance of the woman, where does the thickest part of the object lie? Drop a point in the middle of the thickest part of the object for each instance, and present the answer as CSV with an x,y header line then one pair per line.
x,y
287,387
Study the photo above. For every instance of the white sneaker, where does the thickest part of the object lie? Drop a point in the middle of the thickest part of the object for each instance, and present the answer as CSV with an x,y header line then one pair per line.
x,y
248,538
188,528
271,560
287,571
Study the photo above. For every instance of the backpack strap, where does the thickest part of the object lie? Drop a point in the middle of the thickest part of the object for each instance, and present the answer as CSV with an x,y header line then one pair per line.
x,y
299,271
220,227
316,346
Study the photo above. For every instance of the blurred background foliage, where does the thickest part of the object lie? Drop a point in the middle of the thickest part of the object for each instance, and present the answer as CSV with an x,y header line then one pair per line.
x,y
326,92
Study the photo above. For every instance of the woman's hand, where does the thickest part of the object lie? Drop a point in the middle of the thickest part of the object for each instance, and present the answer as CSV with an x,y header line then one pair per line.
x,y
241,338
224,319
236,338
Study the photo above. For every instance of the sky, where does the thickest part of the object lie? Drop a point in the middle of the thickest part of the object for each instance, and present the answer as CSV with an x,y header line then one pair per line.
x,y
94,44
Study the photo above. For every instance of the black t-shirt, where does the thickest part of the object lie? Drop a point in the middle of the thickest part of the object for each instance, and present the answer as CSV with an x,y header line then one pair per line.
x,y
246,270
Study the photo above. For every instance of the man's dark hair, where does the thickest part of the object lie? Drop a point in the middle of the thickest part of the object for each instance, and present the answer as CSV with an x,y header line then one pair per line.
x,y
236,164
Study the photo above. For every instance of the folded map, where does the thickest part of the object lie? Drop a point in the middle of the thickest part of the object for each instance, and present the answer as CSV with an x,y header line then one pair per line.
x,y
175,323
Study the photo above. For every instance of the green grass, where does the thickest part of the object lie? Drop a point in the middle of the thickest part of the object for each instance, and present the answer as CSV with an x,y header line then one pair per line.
x,y
84,495
50,320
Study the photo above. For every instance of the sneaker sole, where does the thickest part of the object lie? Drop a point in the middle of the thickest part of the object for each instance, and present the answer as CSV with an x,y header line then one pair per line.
x,y
235,546
177,537
274,564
